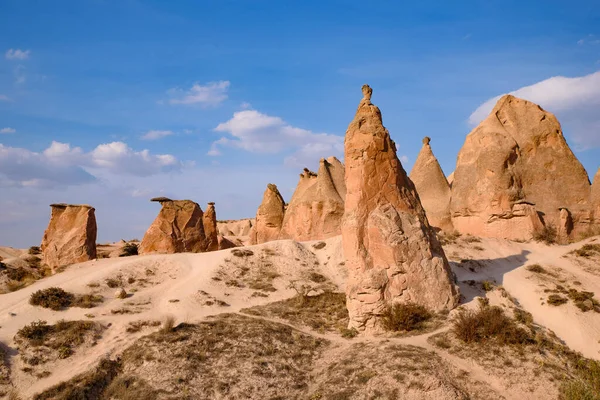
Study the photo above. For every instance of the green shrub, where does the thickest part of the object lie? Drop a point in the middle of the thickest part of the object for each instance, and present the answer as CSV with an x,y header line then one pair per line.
x,y
487,286
405,317
586,385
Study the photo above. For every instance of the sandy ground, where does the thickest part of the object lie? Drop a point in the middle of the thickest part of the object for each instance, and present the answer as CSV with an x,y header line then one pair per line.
x,y
180,284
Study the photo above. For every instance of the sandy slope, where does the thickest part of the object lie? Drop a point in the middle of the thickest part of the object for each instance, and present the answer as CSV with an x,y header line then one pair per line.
x,y
180,284
505,263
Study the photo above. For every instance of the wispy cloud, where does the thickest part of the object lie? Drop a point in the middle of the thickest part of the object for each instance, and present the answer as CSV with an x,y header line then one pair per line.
x,y
155,135
8,130
17,54
255,132
211,94
4,97
575,101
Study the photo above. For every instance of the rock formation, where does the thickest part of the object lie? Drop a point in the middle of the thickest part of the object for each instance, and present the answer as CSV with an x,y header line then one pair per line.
x,y
433,188
595,198
70,236
225,243
240,227
392,253
517,155
269,217
209,222
316,209
178,228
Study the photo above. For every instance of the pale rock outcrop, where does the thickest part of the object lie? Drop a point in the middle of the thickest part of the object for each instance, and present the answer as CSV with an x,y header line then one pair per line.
x,y
518,153
178,228
209,222
70,236
228,243
316,209
392,253
269,217
240,227
451,179
433,188
595,198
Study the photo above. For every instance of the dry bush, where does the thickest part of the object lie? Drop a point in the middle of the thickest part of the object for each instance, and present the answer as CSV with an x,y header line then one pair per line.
x,y
324,312
319,245
34,250
472,239
488,323
587,250
405,317
585,301
546,235
316,277
448,238
537,268
54,298
585,385
57,299
242,252
130,249
556,300
89,385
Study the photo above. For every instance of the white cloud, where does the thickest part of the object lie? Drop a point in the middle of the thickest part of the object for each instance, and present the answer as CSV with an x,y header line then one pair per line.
x,y
8,130
63,165
575,102
211,94
119,158
154,135
4,97
17,54
260,133
19,73
404,159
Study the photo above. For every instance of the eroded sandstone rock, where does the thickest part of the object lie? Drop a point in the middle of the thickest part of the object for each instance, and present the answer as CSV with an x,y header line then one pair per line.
x,y
433,187
392,253
518,153
595,198
209,222
70,236
178,228
316,209
269,217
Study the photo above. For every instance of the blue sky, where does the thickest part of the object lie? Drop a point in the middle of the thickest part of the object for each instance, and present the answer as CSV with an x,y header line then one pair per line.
x,y
212,100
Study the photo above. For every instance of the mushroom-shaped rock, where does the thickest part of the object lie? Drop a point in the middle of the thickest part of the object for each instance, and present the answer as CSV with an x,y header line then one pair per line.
x,y
316,209
433,187
392,253
178,228
70,236
269,216
518,152
209,221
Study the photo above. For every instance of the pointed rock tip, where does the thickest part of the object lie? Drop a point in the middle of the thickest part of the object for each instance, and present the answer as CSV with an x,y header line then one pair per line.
x,y
426,140
272,186
211,203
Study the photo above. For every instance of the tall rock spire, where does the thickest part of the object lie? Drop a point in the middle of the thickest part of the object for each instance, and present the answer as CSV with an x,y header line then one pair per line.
x,y
433,187
392,253
269,217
